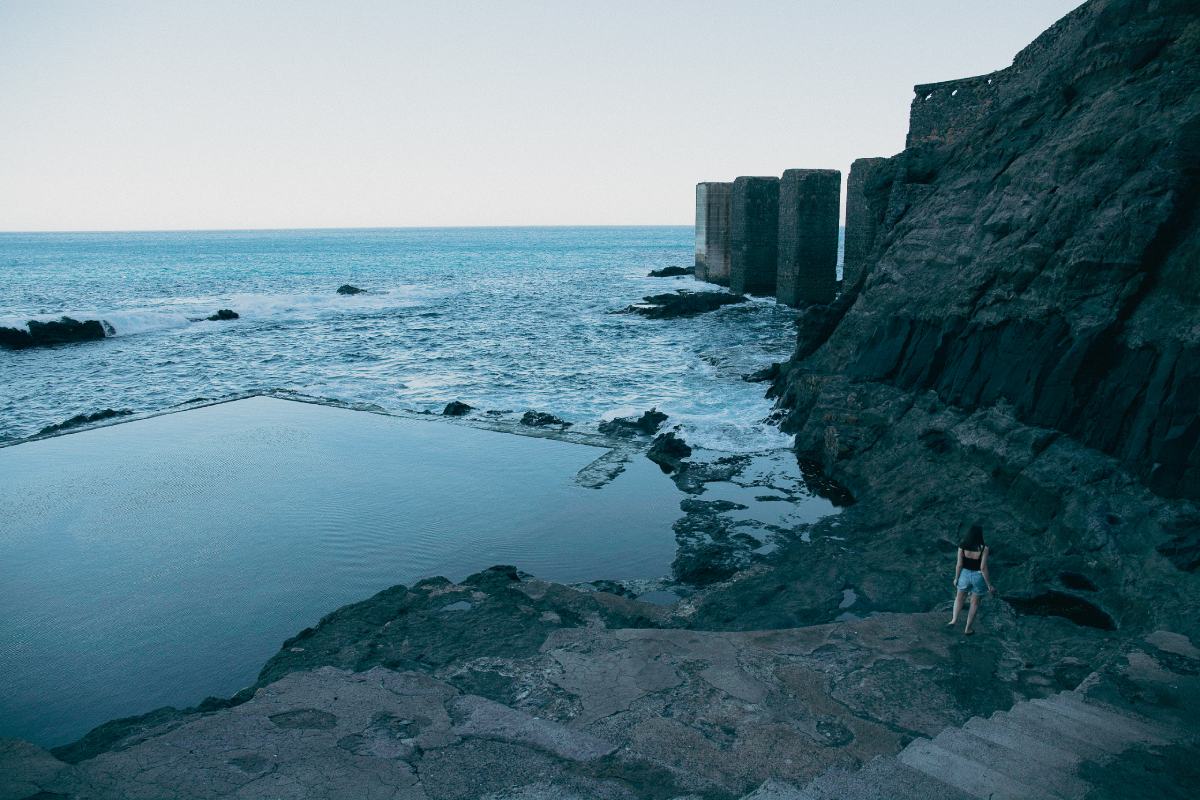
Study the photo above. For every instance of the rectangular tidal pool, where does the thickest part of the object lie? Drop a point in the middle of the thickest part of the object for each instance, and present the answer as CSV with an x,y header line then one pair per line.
x,y
162,560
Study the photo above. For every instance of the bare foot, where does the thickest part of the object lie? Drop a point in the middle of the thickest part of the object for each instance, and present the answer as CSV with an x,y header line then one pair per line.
x,y
951,623
968,633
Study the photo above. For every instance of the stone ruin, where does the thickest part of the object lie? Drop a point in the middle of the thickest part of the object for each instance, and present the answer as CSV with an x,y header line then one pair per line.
x,y
712,232
779,236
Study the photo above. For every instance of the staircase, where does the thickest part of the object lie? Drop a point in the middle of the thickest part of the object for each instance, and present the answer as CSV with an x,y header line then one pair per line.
x,y
1030,752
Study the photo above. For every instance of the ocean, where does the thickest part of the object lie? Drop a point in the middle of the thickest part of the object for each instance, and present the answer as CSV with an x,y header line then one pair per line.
x,y
163,560
505,319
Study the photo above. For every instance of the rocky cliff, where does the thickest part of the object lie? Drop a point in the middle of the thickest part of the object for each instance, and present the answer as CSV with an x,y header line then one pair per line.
x,y
1040,247
1023,345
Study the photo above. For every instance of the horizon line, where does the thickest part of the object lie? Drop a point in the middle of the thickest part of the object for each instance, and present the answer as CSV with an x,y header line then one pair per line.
x,y
8,232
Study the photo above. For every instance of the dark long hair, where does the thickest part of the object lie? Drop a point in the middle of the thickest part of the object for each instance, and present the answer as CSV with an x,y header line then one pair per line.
x,y
973,540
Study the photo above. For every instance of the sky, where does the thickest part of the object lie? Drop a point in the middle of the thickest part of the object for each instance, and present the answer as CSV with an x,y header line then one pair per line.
x,y
164,115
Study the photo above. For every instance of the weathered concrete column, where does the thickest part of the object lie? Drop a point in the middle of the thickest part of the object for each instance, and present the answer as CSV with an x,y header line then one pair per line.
x,y
712,232
753,235
860,222
809,202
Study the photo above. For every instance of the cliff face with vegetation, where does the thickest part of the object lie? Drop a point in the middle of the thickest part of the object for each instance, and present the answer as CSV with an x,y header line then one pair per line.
x,y
1038,246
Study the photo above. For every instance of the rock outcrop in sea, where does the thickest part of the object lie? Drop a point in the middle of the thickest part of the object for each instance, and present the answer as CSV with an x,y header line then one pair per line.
x,y
670,305
53,332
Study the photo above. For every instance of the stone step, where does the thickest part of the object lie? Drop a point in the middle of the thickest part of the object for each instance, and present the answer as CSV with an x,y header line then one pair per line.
x,y
967,775
883,777
1072,705
1044,728
1043,750
1071,732
1015,762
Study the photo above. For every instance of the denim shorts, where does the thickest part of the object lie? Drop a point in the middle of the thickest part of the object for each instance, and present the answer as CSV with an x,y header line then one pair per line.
x,y
972,580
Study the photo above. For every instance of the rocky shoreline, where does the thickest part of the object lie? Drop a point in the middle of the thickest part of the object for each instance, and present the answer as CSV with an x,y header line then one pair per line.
x,y
1018,351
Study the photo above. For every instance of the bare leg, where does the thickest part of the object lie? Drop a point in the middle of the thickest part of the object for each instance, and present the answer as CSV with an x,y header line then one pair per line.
x,y
958,604
971,613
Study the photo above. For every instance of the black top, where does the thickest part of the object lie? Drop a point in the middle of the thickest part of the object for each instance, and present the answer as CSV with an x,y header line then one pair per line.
x,y
972,563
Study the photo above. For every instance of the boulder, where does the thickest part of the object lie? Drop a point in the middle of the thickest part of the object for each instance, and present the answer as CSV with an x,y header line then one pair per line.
x,y
346,288
671,272
628,427
456,408
682,304
223,314
540,419
46,334
668,451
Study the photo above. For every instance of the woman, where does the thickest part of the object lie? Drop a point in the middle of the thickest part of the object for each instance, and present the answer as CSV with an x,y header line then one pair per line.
x,y
971,574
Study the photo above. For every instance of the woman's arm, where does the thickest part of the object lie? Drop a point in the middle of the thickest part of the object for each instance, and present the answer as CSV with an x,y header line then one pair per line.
x,y
983,567
958,567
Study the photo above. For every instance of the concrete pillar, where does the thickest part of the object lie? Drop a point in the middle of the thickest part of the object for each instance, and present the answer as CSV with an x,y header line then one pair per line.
x,y
809,202
860,222
712,232
753,235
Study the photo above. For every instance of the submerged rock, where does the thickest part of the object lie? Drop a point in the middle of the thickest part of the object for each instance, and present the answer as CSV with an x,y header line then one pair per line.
x,y
682,304
84,419
46,334
540,419
671,272
668,451
627,427
223,314
456,408
346,288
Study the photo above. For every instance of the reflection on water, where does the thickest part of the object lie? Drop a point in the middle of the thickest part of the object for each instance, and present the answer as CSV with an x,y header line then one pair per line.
x,y
162,560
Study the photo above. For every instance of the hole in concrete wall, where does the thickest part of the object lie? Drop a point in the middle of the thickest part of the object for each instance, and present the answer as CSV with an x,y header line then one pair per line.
x,y
1073,580
1067,606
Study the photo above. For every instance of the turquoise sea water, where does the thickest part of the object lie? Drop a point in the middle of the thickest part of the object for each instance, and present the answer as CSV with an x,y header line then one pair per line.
x,y
502,318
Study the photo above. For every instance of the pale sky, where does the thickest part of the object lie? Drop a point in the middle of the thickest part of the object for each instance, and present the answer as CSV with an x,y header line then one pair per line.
x,y
214,114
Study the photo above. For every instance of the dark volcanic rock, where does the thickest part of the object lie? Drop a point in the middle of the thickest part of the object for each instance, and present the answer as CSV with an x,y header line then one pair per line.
x,y
668,451
627,427
456,408
84,419
45,334
683,304
671,272
540,419
223,314
764,375
1042,248
346,288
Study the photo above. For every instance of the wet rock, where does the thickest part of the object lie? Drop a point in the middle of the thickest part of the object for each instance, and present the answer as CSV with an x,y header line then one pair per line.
x,y
84,419
540,419
668,451
671,272
765,375
223,314
456,408
628,427
347,288
683,304
47,334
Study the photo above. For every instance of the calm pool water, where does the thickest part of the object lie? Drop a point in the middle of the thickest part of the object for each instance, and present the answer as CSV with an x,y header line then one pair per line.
x,y
163,560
